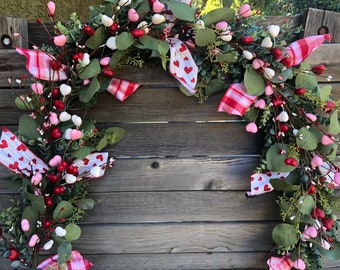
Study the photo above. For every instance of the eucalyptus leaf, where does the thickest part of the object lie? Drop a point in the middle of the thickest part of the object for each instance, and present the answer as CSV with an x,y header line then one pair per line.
x,y
114,135
85,204
87,92
116,57
83,152
37,201
276,156
143,8
22,103
306,204
306,80
333,254
64,209
181,10
227,57
91,70
307,139
215,86
73,232
28,127
154,44
254,82
324,92
281,185
334,126
285,235
32,215
102,144
219,14
204,37
124,40
97,39
64,252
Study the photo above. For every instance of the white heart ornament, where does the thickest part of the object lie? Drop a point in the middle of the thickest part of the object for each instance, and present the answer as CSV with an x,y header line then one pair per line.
x,y
65,89
267,43
274,30
64,116
158,19
77,120
106,20
48,245
111,43
70,178
283,116
59,231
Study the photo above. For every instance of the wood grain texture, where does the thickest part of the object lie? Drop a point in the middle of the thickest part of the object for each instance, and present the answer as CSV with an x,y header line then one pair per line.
x,y
9,26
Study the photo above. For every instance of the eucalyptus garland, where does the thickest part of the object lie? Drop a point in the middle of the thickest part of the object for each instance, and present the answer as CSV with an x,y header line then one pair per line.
x,y
55,152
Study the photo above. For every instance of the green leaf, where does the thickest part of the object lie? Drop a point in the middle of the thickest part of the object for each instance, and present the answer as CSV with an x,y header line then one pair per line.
x,y
102,144
254,82
116,57
32,215
219,14
114,135
325,92
64,209
73,232
333,254
83,152
91,70
227,57
306,80
28,127
124,40
142,9
97,39
185,91
181,10
204,37
307,139
64,252
227,3
283,76
23,104
306,204
154,44
281,185
215,86
334,126
276,160
85,204
15,264
285,235
37,201
87,92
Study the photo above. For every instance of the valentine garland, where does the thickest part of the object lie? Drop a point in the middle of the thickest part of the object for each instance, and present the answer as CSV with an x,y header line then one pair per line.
x,y
54,153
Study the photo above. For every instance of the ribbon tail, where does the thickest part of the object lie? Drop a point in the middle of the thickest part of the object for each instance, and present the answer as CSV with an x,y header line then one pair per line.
x,y
260,182
76,261
122,89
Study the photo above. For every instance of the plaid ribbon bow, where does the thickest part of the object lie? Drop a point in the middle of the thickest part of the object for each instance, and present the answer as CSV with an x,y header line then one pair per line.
x,y
76,262
236,101
122,89
39,65
302,48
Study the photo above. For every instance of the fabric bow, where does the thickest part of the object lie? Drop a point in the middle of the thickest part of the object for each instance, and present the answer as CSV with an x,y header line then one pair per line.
x,y
122,89
39,65
277,263
76,262
259,182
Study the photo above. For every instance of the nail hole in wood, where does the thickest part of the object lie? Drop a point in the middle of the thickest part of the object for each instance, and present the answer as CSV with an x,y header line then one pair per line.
x,y
323,30
6,40
155,165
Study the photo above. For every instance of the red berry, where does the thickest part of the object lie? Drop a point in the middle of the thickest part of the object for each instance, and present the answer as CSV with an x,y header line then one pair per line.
x,y
328,223
312,189
88,30
59,190
48,201
138,33
55,92
13,254
69,169
75,171
277,101
107,71
56,133
52,178
287,61
283,127
38,21
47,224
318,213
59,104
291,161
247,39
300,91
329,106
277,53
56,64
114,28
318,69
78,57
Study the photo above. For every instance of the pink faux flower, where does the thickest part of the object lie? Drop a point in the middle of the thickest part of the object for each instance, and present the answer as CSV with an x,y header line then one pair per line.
x,y
51,8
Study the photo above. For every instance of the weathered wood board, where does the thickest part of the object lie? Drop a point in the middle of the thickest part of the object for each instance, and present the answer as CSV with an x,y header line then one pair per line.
x,y
175,198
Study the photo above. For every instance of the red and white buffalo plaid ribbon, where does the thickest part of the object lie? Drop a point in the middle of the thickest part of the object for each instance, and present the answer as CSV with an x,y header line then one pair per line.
x,y
39,65
122,89
302,48
76,262
236,101
277,263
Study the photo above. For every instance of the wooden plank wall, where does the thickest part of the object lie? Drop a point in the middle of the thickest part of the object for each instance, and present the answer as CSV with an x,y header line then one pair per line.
x,y
176,196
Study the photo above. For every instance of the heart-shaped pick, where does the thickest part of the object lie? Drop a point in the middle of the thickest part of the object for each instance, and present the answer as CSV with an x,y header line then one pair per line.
x,y
76,134
64,116
133,16
60,40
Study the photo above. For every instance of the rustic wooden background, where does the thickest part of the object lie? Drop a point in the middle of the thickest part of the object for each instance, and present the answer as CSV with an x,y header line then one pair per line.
x,y
176,196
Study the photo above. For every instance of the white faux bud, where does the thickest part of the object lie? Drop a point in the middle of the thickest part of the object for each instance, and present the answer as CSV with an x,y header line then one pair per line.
x,y
59,231
64,116
77,121
48,244
283,116
273,30
267,43
111,43
226,37
200,24
269,73
158,18
67,134
65,89
144,25
86,59
106,20
70,178
122,3
247,55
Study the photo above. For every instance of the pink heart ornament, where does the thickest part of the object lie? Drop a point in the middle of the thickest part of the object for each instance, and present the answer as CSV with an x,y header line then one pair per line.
x,y
251,127
37,88
327,139
245,11
55,161
60,40
53,119
260,104
158,7
133,16
76,134
36,179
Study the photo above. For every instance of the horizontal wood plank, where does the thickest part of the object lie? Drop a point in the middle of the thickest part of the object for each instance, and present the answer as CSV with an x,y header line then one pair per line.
x,y
167,174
